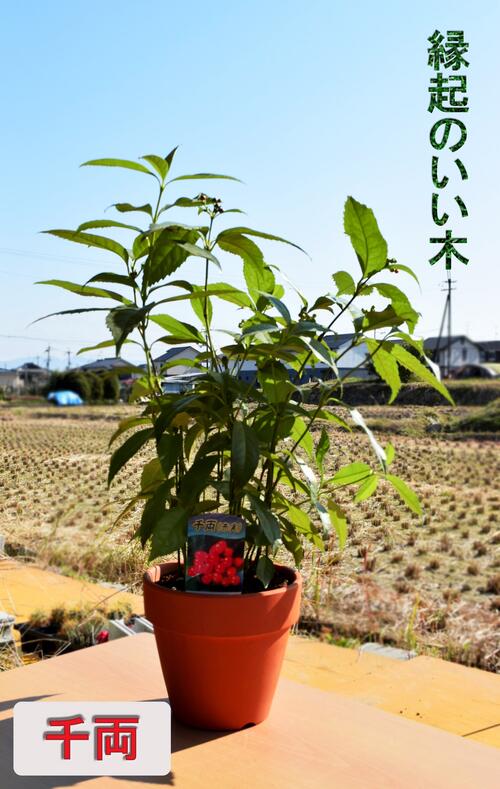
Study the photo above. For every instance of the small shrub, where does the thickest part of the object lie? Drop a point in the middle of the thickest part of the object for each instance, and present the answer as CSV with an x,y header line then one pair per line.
x,y
412,571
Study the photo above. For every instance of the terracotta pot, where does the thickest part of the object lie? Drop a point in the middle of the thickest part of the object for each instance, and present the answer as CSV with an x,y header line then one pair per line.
x,y
221,655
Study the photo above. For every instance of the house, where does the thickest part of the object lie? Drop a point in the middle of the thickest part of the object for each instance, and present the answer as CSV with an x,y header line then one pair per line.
x,y
10,381
350,360
340,343
33,376
107,366
490,351
177,384
176,354
462,351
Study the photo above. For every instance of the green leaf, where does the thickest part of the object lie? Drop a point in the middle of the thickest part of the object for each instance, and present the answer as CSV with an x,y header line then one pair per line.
x,y
400,303
267,520
409,497
170,533
322,448
385,365
128,423
196,480
85,290
280,306
338,520
125,208
90,240
237,244
302,437
367,241
152,475
299,518
116,279
96,223
406,359
229,293
141,246
71,312
409,340
127,450
203,176
169,451
323,303
265,570
167,253
152,512
259,278
389,453
104,344
197,293
159,164
125,163
293,544
354,472
178,328
201,304
248,231
199,252
366,489
122,320
244,454
397,268
331,417
191,437
378,319
344,282
322,352
275,381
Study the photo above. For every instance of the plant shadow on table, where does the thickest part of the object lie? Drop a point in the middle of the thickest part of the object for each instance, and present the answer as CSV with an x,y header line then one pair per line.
x,y
182,737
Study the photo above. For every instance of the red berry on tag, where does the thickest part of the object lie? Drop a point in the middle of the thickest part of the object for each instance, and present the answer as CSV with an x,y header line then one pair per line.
x,y
217,578
238,562
206,579
221,545
231,571
235,580
192,571
228,552
200,555
226,581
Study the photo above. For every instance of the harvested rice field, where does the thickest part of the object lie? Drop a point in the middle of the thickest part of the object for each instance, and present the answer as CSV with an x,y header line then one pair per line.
x,y
431,584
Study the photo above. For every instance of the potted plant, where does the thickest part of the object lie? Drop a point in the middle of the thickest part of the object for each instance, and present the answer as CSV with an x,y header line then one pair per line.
x,y
239,442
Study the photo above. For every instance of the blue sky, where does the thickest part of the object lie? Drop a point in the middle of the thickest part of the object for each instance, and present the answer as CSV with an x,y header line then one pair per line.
x,y
305,102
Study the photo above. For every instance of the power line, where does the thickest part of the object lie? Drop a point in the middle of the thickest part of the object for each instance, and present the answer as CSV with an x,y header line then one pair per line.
x,y
48,257
41,339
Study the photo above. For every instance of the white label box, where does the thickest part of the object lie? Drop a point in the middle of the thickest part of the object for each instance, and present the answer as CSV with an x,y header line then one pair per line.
x,y
92,738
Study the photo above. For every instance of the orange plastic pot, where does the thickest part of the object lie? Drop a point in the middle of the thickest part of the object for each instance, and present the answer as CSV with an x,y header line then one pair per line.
x,y
221,656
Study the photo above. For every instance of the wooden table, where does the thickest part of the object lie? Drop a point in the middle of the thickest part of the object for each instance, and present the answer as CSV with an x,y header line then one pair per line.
x,y
312,740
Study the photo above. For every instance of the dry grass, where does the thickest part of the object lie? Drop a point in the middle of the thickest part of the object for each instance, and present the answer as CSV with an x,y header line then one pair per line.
x,y
433,584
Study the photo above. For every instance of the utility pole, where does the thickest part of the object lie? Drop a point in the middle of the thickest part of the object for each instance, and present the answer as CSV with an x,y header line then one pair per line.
x,y
47,351
448,287
69,360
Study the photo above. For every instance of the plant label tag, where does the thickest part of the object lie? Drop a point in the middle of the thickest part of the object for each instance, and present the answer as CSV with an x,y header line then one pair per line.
x,y
215,561
92,738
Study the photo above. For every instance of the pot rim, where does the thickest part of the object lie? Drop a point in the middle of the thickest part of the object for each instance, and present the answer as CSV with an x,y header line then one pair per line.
x,y
147,579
